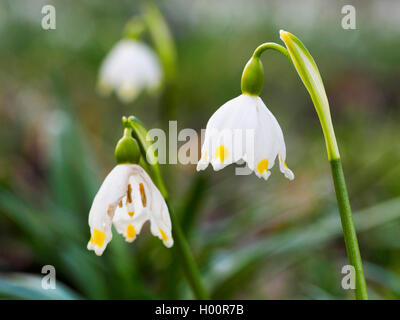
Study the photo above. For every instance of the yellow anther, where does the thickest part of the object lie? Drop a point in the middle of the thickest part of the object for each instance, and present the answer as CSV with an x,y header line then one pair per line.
x,y
131,213
221,153
262,166
142,194
163,235
129,194
120,204
130,231
98,237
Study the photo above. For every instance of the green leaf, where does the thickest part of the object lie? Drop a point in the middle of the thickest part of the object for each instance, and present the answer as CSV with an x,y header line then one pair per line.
x,y
29,287
227,266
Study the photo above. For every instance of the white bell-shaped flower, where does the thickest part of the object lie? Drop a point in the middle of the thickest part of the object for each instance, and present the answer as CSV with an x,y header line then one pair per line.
x,y
130,67
127,198
243,129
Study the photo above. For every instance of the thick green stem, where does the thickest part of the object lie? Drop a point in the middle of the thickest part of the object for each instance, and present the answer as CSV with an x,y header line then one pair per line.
x,y
349,231
187,261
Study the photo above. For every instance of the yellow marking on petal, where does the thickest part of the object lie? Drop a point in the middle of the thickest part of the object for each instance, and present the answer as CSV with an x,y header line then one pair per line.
x,y
222,153
129,194
91,239
130,231
262,166
284,163
131,213
205,156
98,237
163,235
142,194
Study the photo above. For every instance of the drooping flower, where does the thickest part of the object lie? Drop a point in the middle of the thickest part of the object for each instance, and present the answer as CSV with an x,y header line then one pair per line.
x,y
243,129
130,67
127,198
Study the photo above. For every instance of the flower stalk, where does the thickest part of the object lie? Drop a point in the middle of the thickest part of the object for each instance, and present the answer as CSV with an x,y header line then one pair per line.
x,y
309,74
181,246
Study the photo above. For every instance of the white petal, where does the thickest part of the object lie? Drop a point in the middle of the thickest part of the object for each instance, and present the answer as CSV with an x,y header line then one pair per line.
x,y
248,131
147,204
101,214
225,137
130,67
160,221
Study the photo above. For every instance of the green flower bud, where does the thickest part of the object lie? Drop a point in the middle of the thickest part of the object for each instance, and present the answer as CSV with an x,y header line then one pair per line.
x,y
127,149
253,77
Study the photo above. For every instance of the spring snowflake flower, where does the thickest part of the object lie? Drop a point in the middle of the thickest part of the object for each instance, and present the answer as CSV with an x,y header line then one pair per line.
x,y
243,129
127,198
129,68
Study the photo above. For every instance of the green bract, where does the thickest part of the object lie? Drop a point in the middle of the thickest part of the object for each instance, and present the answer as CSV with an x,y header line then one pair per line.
x,y
309,74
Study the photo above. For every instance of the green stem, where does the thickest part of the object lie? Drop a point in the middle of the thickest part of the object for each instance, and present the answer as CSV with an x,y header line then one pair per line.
x,y
181,246
308,71
271,46
187,261
349,231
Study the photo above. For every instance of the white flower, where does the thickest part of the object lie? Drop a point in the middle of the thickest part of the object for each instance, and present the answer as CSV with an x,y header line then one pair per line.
x,y
127,198
243,129
129,68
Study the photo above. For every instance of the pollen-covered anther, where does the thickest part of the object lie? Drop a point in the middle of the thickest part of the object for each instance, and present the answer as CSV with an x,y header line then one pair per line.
x,y
129,194
142,194
131,213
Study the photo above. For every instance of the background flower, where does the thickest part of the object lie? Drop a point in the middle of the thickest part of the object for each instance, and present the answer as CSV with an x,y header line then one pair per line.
x,y
130,67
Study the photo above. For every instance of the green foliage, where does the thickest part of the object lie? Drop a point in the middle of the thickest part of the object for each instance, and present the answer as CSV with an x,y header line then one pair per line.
x,y
250,238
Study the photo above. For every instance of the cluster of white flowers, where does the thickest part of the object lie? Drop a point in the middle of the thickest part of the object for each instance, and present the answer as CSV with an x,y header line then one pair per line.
x,y
128,197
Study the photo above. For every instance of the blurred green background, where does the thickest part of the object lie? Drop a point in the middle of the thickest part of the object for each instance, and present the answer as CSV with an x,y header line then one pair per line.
x,y
252,239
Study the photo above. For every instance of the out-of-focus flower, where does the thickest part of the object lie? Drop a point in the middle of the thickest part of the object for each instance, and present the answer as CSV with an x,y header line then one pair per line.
x,y
127,198
129,68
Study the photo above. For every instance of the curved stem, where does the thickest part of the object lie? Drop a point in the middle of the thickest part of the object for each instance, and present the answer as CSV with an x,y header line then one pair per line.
x,y
271,46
